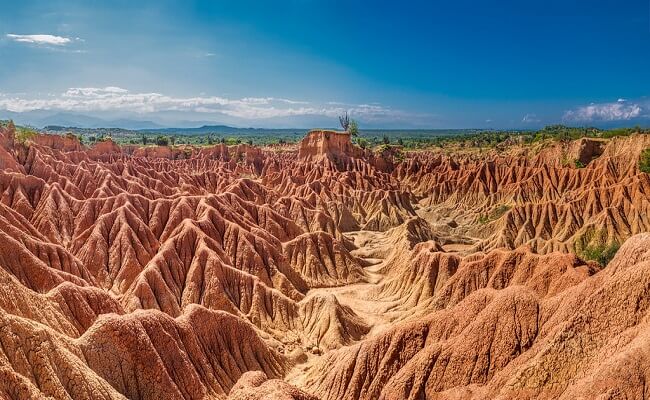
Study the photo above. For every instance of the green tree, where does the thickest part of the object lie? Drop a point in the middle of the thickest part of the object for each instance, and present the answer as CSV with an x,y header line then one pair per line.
x,y
363,143
385,139
353,128
162,141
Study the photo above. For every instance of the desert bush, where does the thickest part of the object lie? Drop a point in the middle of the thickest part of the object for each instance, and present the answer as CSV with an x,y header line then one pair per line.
x,y
644,162
353,128
363,143
495,214
578,163
601,253
24,134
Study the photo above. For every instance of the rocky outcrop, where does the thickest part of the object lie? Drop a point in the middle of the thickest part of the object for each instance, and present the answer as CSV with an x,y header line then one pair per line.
x,y
326,143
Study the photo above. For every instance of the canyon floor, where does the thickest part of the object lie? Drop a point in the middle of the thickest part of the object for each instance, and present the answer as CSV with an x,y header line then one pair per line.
x,y
323,270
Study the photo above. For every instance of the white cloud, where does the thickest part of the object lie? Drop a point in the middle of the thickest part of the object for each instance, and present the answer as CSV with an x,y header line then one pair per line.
x,y
530,119
616,111
111,98
51,40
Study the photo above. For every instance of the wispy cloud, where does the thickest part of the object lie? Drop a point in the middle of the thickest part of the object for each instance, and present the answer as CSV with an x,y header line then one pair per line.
x,y
530,119
50,40
111,98
619,110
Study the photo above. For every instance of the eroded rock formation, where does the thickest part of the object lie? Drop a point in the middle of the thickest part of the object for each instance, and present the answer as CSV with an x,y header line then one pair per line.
x,y
325,271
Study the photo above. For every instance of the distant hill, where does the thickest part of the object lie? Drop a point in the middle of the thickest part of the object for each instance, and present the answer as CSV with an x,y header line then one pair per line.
x,y
40,118
202,130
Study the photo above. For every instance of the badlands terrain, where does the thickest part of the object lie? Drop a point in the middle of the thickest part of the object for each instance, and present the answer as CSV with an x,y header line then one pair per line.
x,y
323,271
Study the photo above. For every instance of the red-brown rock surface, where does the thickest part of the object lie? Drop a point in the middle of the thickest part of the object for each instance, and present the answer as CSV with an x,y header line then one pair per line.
x,y
325,272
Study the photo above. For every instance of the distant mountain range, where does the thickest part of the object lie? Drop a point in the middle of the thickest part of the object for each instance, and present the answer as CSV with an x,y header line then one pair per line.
x,y
171,122
41,119
198,131
155,121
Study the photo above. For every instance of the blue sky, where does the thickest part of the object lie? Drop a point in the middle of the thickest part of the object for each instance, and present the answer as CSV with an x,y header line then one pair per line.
x,y
460,64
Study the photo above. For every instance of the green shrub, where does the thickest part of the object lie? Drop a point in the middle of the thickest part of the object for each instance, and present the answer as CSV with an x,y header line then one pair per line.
x,y
363,143
493,215
602,253
500,211
353,129
578,163
644,162
24,134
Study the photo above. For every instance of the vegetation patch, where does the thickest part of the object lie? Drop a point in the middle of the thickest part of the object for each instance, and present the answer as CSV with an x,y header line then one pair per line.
x,y
495,214
593,246
602,253
363,143
578,164
24,134
644,161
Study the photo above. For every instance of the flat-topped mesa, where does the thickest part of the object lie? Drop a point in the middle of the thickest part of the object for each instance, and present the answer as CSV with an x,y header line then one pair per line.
x,y
322,142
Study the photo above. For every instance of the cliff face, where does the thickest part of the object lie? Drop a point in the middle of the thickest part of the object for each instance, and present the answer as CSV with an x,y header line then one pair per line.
x,y
320,143
337,150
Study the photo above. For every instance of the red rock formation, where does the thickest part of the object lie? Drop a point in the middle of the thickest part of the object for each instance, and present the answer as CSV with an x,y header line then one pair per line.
x,y
256,386
324,143
223,271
